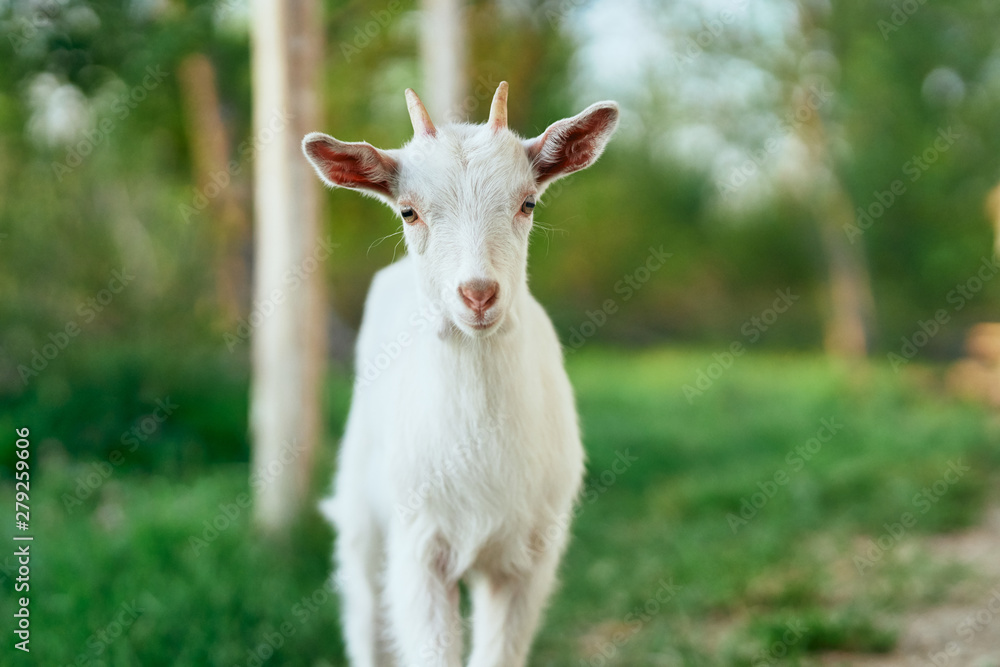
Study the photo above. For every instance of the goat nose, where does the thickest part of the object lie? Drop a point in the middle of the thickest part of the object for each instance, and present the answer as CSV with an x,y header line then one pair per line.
x,y
479,295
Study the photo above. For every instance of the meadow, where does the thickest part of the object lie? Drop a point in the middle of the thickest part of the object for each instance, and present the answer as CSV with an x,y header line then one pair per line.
x,y
782,514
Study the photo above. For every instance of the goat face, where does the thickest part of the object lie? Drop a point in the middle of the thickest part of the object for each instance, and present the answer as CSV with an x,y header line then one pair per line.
x,y
466,195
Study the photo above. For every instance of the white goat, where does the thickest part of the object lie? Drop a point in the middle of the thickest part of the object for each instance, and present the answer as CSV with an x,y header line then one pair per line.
x,y
461,458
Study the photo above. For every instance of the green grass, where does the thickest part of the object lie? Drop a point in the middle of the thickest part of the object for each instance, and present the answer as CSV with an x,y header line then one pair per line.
x,y
658,526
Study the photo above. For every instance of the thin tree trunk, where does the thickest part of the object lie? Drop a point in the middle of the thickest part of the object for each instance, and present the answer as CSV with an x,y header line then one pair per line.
x,y
288,335
851,316
442,55
210,152
993,209
852,306
851,312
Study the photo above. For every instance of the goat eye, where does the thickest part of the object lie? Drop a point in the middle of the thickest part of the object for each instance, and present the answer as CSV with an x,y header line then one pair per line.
x,y
409,215
529,205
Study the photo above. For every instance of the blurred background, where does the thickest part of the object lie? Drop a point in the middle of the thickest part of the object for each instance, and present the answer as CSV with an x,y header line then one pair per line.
x,y
774,289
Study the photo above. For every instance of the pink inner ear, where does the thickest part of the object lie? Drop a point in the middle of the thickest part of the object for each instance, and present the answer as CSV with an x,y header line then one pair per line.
x,y
360,167
574,144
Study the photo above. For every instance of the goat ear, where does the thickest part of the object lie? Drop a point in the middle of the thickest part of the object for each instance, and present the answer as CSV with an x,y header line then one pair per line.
x,y
359,166
573,143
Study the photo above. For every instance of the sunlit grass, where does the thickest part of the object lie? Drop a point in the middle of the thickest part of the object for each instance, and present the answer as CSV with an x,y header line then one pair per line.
x,y
658,572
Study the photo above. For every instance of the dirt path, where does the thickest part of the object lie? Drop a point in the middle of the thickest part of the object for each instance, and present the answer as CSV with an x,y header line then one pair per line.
x,y
962,632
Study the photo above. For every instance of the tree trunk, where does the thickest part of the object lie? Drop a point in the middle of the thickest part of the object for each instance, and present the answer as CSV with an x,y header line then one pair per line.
x,y
993,209
851,314
288,316
442,55
210,153
852,306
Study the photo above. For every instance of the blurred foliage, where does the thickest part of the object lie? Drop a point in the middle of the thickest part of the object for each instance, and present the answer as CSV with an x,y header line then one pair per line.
x,y
663,475
172,413
63,232
108,289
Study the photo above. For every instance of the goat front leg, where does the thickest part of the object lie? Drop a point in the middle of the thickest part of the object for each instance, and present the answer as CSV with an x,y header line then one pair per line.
x,y
423,602
507,609
359,554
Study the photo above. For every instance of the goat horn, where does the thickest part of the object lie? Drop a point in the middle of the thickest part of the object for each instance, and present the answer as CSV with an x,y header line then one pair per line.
x,y
419,117
498,111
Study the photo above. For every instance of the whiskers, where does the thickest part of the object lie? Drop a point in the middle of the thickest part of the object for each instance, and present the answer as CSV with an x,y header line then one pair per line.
x,y
388,236
548,231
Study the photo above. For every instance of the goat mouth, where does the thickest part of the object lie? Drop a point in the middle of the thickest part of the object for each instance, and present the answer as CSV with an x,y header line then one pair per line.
x,y
483,326
482,323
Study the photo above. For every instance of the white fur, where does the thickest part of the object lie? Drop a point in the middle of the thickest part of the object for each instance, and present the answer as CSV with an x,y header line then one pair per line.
x,y
461,457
